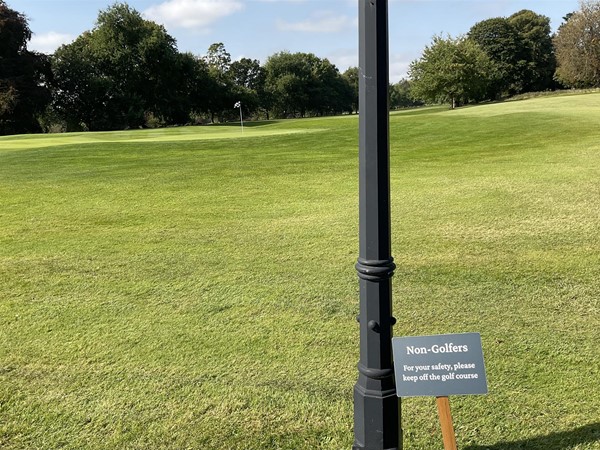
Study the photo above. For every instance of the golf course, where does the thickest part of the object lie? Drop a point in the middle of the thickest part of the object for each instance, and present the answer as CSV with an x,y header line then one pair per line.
x,y
194,287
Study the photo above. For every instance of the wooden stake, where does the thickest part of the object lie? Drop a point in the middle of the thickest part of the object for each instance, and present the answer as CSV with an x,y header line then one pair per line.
x,y
443,404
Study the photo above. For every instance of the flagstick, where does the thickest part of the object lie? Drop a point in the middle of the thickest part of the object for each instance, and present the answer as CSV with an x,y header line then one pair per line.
x,y
241,118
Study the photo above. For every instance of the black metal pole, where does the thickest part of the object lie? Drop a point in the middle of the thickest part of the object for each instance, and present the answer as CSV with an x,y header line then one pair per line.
x,y
376,406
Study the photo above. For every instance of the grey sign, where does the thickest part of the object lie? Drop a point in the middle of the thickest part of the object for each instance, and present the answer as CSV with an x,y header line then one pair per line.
x,y
440,365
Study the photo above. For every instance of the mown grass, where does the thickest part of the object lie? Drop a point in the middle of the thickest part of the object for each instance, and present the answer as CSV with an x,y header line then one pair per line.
x,y
194,287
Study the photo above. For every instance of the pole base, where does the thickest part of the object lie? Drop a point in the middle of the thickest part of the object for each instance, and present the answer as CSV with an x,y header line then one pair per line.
x,y
360,447
377,417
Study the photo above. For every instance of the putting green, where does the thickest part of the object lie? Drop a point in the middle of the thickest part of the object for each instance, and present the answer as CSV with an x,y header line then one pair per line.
x,y
155,135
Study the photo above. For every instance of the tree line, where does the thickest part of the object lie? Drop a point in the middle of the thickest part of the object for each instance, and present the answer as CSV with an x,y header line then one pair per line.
x,y
506,56
127,72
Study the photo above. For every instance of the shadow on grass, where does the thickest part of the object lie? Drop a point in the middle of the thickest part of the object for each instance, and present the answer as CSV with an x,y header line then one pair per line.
x,y
248,124
554,441
419,110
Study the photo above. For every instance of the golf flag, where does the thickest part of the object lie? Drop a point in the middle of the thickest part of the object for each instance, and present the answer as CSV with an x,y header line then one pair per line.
x,y
239,105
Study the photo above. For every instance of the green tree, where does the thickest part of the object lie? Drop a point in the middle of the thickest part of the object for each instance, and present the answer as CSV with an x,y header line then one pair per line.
x,y
24,76
401,95
113,76
351,76
218,58
192,85
223,93
537,50
290,82
503,44
450,70
249,85
302,83
332,93
197,84
81,92
248,73
566,18
577,44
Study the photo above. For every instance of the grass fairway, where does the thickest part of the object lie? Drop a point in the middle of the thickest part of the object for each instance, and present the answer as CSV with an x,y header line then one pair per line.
x,y
194,288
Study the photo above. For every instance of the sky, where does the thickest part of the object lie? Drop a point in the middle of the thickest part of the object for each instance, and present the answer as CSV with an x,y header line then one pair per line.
x,y
259,28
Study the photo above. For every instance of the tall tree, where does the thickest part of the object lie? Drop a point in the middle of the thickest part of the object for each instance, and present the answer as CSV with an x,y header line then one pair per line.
x,y
218,57
577,44
114,75
191,86
81,91
503,44
351,76
537,49
222,97
289,80
249,84
248,73
24,76
198,85
453,70
332,93
302,83
401,95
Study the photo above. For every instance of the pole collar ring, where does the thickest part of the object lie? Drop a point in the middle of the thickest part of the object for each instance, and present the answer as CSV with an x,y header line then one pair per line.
x,y
375,269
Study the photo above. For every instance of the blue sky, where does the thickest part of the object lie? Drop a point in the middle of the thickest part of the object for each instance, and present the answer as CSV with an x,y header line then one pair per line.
x,y
259,28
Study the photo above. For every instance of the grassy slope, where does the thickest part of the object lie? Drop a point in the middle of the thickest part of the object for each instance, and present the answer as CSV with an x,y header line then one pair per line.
x,y
194,288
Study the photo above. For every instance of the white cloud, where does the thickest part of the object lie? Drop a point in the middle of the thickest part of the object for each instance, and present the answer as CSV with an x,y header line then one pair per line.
x,y
344,58
399,63
48,42
192,13
320,22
